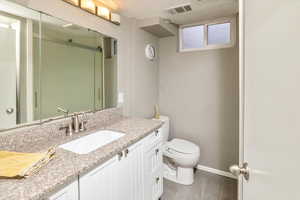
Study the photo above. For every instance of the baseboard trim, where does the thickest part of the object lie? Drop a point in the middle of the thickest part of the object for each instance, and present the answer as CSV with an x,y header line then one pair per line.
x,y
216,171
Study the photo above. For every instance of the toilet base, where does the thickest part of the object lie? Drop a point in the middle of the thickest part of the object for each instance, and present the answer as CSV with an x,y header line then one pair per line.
x,y
184,176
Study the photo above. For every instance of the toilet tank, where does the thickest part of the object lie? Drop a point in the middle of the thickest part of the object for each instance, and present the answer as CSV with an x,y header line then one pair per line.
x,y
165,129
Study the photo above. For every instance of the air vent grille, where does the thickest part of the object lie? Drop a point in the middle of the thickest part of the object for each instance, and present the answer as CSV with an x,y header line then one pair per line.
x,y
180,9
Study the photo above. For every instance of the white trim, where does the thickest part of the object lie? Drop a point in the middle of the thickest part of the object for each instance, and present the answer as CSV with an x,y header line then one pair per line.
x,y
29,71
241,92
216,171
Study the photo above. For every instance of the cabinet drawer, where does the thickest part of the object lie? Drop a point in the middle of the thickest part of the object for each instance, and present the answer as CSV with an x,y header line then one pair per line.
x,y
153,139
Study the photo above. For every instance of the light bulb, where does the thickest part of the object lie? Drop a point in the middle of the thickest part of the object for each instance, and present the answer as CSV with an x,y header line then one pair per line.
x,y
88,5
104,12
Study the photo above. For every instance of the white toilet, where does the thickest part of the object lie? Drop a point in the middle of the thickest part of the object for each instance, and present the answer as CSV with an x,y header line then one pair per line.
x,y
180,157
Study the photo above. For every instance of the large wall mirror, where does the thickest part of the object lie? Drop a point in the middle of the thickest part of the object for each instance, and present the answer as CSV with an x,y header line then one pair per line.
x,y
48,65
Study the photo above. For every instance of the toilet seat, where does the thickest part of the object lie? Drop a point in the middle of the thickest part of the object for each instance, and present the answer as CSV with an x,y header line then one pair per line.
x,y
182,146
178,148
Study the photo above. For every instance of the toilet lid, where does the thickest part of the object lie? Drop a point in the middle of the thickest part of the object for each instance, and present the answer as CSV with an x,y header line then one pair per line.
x,y
183,146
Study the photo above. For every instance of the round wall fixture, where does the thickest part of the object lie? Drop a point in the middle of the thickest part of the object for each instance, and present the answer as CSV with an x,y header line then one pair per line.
x,y
150,52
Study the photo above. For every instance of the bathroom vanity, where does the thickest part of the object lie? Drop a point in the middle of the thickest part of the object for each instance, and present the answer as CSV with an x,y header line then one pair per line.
x,y
129,168
133,174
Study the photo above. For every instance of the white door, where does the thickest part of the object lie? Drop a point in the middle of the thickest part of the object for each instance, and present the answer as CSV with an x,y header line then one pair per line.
x,y
7,78
270,134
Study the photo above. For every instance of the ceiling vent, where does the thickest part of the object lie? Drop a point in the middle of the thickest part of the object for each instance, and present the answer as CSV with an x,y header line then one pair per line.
x,y
180,9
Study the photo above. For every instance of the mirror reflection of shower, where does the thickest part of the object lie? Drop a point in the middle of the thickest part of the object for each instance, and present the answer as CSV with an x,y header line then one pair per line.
x,y
10,61
70,56
47,62
78,69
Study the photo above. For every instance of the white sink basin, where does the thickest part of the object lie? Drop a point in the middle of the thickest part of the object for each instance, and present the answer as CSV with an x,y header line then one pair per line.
x,y
92,142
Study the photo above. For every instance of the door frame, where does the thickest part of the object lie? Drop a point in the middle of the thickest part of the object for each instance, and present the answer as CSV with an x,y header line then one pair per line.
x,y
241,92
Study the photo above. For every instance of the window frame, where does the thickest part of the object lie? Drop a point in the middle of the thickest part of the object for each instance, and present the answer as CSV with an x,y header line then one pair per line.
x,y
206,46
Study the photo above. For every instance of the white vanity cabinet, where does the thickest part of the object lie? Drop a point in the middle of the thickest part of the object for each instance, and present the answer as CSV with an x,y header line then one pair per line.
x,y
68,193
134,174
119,178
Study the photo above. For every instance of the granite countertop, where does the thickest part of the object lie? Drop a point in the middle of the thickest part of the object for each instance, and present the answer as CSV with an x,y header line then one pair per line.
x,y
66,166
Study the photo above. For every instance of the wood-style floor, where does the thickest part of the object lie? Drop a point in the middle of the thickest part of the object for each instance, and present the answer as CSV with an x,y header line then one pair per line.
x,y
207,186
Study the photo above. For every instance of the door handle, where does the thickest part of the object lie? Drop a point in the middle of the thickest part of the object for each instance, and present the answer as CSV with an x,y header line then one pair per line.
x,y
244,170
9,110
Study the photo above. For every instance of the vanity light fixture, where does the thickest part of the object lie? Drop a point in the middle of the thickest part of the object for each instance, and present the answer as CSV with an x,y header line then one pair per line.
x,y
74,2
88,5
101,8
106,3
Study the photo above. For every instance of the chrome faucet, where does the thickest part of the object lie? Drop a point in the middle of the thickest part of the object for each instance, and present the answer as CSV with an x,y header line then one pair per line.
x,y
69,127
75,124
83,122
79,125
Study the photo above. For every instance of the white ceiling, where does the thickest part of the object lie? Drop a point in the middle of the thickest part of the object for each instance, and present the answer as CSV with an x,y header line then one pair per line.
x,y
202,9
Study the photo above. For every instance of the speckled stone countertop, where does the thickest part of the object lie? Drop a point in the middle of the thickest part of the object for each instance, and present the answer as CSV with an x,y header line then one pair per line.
x,y
67,166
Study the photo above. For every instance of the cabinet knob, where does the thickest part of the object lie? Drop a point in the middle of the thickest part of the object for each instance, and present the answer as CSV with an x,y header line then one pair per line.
x,y
156,133
120,155
126,152
156,151
157,180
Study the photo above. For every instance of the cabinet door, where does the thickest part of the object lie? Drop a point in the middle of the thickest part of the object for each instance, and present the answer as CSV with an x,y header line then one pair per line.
x,y
68,193
135,159
98,184
129,174
156,186
153,160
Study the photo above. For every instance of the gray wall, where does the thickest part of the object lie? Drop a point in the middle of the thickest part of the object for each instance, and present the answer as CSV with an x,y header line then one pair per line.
x,y
144,81
199,92
137,77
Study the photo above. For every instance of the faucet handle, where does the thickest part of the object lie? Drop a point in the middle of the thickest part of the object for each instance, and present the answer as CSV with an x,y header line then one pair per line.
x,y
68,128
82,125
84,115
83,122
